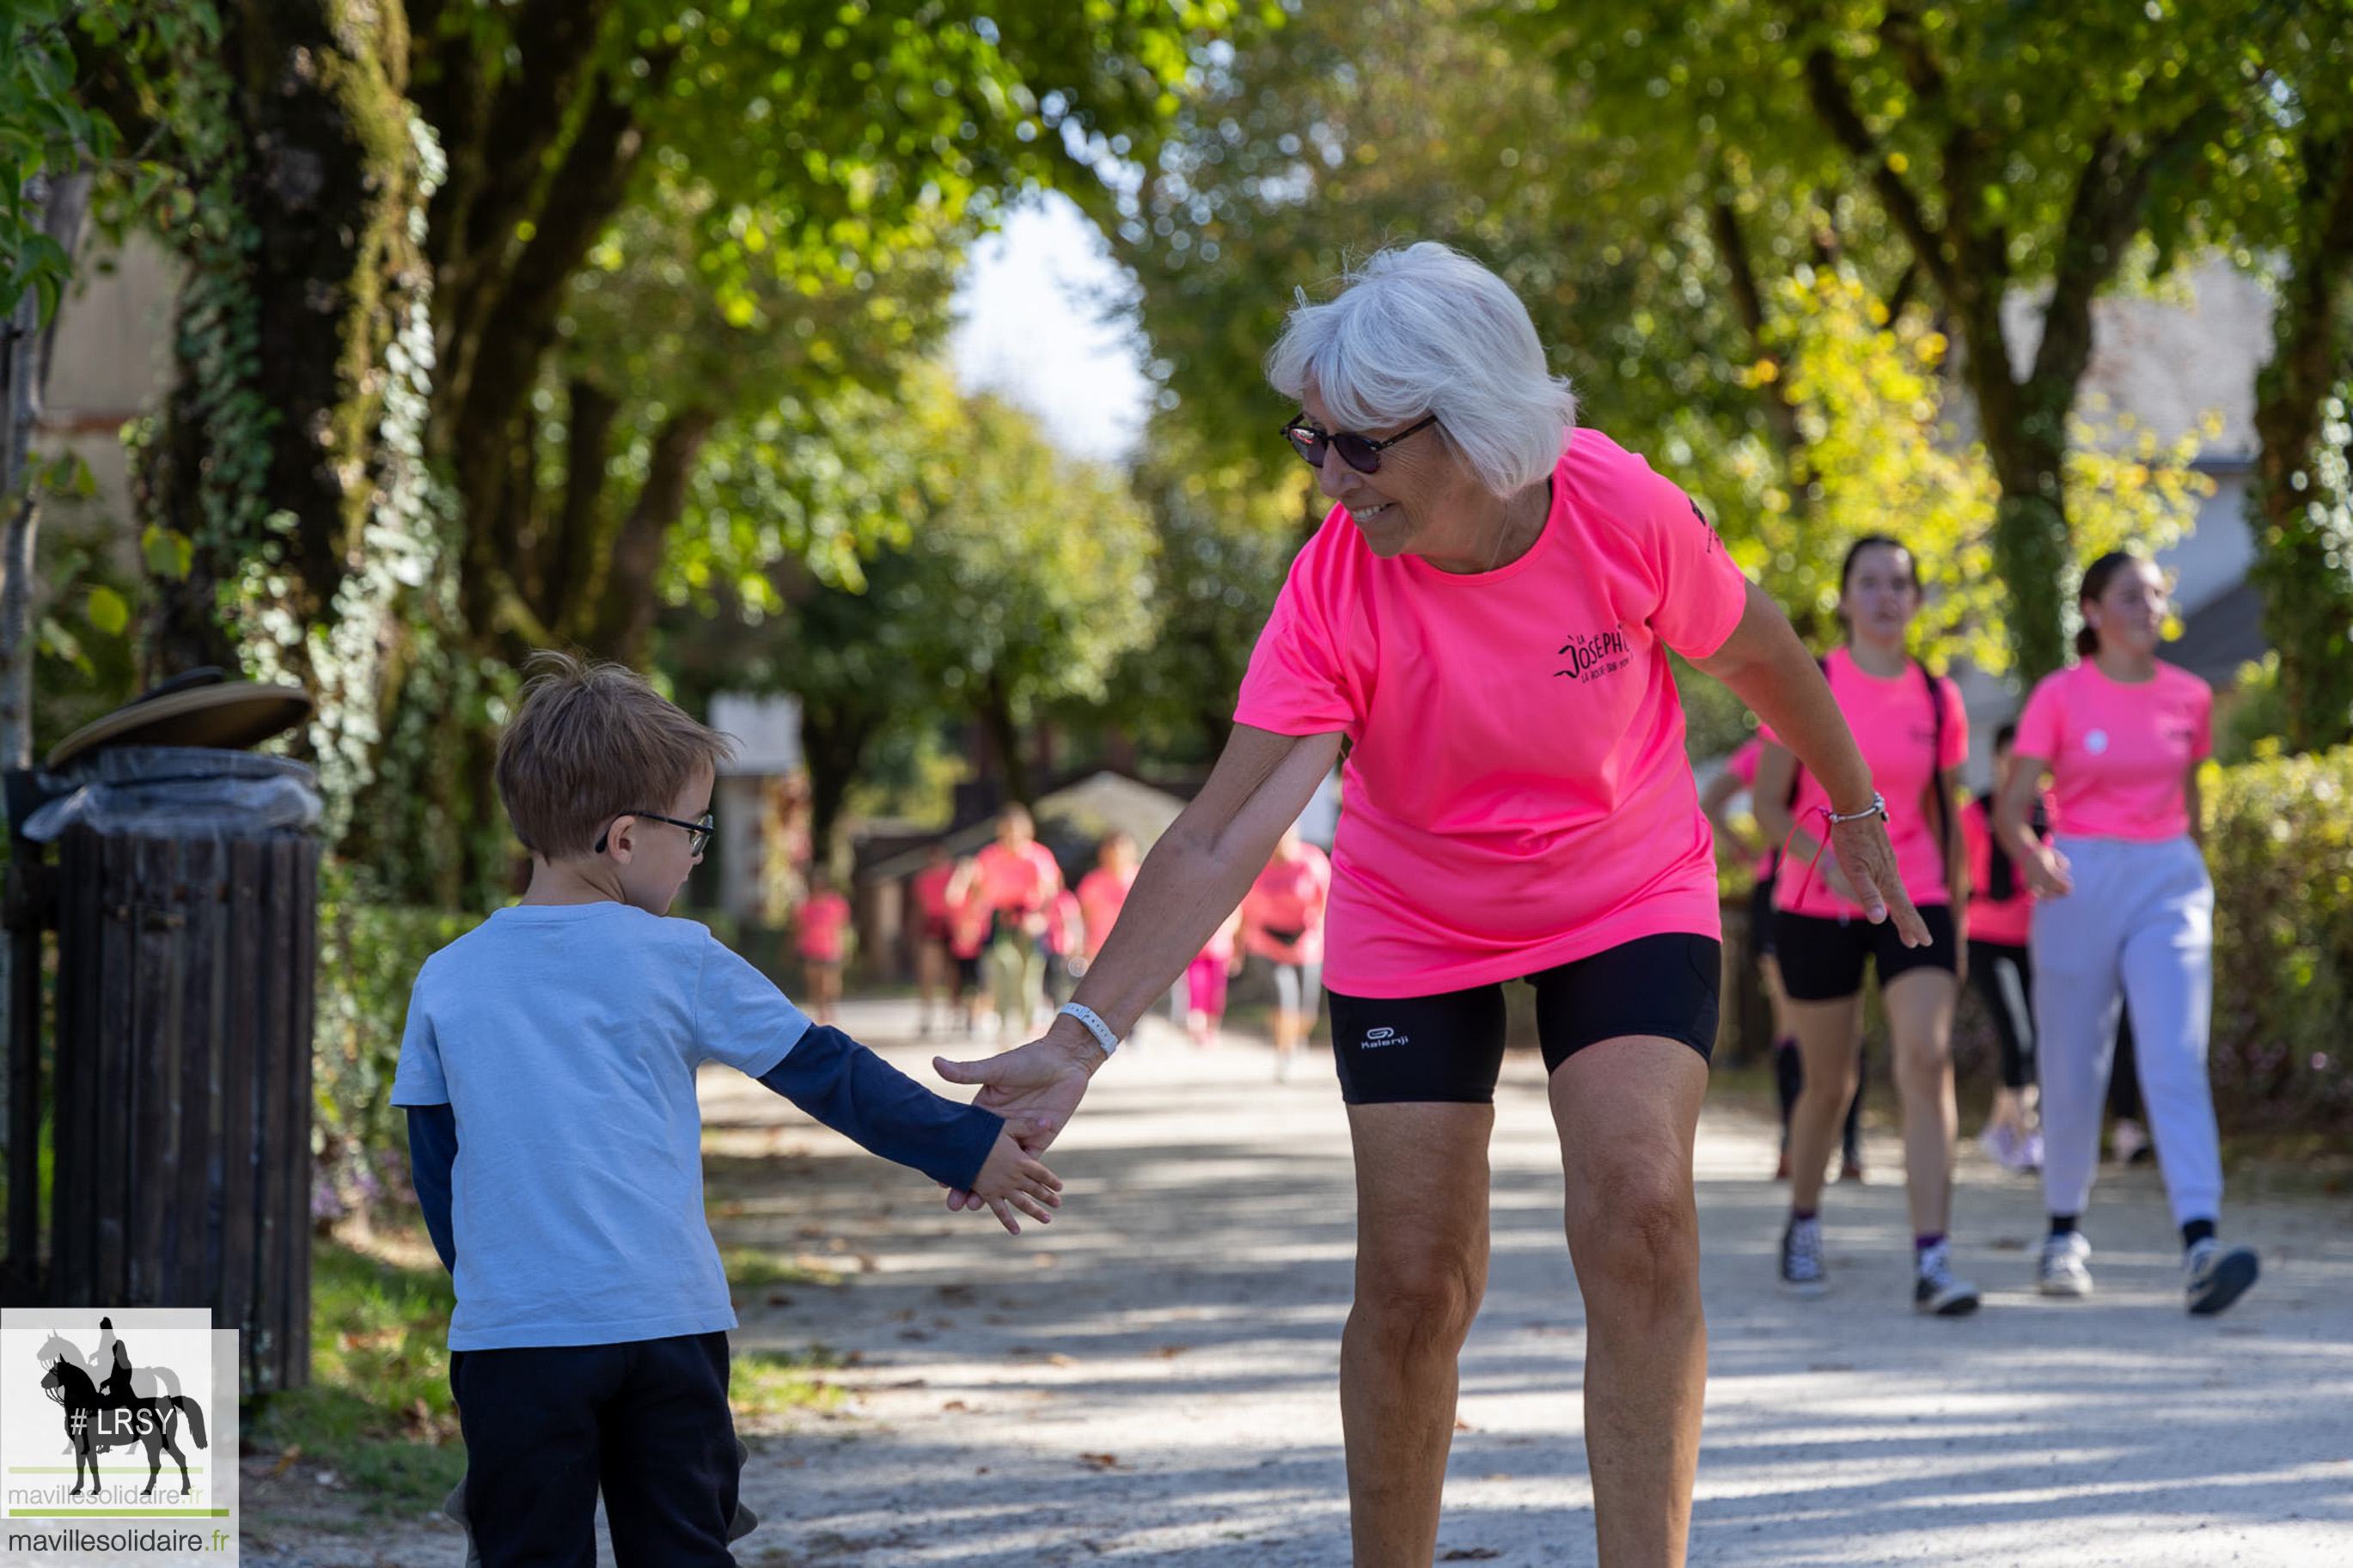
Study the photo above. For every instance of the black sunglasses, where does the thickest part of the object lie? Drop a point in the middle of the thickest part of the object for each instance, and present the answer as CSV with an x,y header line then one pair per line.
x,y
698,834
1361,453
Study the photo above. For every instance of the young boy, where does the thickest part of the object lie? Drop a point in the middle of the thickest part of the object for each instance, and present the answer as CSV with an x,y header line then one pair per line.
x,y
548,1070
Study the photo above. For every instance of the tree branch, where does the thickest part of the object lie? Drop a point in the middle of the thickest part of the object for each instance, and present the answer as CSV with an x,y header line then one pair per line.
x,y
2101,219
1835,107
626,604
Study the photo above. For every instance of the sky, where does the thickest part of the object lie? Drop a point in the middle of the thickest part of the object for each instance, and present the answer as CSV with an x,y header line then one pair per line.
x,y
1031,326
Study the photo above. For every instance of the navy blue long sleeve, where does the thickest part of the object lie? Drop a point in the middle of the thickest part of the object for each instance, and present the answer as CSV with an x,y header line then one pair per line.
x,y
881,1109
432,1155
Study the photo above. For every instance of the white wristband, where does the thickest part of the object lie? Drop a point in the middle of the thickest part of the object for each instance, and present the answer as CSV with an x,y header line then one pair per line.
x,y
1095,1027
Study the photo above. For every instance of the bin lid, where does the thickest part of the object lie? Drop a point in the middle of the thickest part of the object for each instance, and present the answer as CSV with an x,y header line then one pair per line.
x,y
198,708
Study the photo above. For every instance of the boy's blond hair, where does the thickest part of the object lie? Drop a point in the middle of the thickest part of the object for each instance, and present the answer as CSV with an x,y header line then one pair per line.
x,y
592,740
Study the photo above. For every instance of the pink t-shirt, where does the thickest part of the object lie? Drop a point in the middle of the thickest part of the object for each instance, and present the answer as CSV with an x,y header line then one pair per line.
x,y
1101,893
2119,754
931,892
822,921
1895,728
1516,795
1066,927
1023,880
2008,921
1742,765
1289,896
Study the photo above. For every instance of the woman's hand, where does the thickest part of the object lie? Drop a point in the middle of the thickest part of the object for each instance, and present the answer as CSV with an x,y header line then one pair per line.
x,y
2048,875
1866,856
1036,1087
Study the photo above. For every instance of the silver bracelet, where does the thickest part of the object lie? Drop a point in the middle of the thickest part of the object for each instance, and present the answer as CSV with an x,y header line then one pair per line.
x,y
1095,1025
1878,808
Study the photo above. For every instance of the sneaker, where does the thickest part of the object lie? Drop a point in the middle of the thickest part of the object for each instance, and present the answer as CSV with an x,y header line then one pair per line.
x,y
1802,1256
1935,1292
1850,1168
2062,1272
2213,1279
2012,1148
2127,1141
1781,1167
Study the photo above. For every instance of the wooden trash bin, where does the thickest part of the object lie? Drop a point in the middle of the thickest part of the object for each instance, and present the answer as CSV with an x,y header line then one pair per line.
x,y
186,918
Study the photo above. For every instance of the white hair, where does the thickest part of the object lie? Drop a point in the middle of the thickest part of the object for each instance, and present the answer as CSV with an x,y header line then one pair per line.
x,y
1426,329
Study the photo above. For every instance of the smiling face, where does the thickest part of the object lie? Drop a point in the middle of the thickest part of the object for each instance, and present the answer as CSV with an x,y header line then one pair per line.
x,y
654,858
2130,613
1880,594
1421,503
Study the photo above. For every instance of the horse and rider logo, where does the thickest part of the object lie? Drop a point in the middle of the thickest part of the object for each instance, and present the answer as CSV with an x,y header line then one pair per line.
x,y
107,1403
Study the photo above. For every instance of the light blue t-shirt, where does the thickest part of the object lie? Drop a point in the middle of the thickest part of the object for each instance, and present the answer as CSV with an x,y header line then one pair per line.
x,y
565,1039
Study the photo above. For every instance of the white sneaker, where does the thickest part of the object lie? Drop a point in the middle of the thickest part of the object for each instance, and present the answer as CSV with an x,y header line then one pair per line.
x,y
1802,1256
2011,1148
2062,1272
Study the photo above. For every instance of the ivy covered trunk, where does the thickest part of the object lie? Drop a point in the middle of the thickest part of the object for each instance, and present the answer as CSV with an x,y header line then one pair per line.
x,y
270,463
2300,508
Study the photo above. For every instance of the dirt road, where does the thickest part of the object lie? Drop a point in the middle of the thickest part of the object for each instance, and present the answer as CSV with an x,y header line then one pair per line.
x,y
1152,1379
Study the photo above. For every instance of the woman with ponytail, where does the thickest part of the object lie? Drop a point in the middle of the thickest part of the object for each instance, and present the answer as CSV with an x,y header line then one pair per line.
x,y
2125,917
1915,735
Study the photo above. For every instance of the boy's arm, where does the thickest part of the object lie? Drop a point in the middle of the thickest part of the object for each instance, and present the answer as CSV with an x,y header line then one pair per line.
x,y
881,1109
432,1155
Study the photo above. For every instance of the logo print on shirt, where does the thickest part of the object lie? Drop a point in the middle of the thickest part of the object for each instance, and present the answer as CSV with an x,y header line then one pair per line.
x,y
1375,1039
2096,742
1592,655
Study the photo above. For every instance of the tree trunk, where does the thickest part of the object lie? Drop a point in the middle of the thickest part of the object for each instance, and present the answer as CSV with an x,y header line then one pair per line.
x,y
25,344
2303,522
271,450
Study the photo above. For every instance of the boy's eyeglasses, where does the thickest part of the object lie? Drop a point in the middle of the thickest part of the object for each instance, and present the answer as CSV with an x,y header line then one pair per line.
x,y
1361,453
698,834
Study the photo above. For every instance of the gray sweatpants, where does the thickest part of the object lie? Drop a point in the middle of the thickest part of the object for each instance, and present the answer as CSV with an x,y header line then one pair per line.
x,y
2139,930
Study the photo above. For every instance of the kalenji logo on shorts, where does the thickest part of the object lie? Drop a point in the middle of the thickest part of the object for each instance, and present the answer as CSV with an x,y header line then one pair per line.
x,y
1384,1037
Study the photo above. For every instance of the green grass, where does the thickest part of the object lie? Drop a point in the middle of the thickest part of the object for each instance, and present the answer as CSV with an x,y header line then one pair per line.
x,y
753,1267
765,1384
378,1410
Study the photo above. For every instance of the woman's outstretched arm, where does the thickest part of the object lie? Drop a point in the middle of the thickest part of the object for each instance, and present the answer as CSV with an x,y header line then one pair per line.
x,y
1183,891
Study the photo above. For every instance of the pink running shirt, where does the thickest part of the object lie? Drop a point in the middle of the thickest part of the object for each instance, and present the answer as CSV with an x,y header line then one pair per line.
x,y
1022,880
822,921
1289,896
1101,893
2119,754
931,891
1896,731
1516,795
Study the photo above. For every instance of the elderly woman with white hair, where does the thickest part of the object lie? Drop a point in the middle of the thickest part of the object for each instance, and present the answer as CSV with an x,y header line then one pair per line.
x,y
1485,618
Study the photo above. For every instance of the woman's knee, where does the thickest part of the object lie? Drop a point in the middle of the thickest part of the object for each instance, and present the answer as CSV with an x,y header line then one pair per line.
x,y
1636,1226
1428,1294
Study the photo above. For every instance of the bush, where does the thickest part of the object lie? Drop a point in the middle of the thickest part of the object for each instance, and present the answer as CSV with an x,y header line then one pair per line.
x,y
2279,839
369,957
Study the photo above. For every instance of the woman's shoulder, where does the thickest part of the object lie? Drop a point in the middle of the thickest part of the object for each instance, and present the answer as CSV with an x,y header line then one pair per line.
x,y
2175,681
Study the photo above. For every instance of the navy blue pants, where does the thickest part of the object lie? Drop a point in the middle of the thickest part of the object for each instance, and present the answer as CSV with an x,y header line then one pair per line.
x,y
645,1422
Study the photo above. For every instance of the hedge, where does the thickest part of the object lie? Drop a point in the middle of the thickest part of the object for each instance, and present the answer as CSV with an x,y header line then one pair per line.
x,y
2279,839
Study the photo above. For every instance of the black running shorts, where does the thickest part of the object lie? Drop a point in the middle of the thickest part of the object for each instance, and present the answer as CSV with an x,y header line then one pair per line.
x,y
1821,958
1449,1047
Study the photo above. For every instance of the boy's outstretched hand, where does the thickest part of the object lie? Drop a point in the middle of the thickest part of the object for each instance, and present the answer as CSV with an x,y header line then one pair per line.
x,y
1011,1179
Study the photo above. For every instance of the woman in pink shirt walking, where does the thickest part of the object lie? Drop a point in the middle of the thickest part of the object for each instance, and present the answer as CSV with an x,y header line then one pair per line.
x,y
1282,922
1916,735
1485,616
821,936
2125,917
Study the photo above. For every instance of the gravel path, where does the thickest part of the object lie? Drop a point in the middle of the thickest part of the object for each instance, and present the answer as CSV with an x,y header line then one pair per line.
x,y
1152,1379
